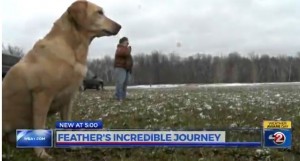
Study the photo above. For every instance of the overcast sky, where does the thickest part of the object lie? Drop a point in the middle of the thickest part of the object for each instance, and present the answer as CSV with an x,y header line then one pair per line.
x,y
182,26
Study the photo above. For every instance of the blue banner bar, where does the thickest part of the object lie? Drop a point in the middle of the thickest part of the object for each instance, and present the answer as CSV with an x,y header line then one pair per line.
x,y
28,138
176,145
79,124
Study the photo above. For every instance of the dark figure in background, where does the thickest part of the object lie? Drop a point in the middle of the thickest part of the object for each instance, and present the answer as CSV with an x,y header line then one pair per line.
x,y
123,67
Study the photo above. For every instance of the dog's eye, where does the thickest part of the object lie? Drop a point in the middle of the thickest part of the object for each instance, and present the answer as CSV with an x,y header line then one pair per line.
x,y
100,12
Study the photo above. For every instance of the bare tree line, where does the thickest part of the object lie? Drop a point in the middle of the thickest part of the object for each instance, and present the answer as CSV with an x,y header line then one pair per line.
x,y
159,68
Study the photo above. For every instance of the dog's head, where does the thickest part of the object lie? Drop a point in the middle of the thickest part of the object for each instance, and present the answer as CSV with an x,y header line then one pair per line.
x,y
90,18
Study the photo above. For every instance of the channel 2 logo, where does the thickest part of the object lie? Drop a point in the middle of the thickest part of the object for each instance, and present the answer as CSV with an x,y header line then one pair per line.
x,y
278,138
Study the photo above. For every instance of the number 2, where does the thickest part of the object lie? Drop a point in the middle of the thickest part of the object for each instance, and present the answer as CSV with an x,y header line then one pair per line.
x,y
279,138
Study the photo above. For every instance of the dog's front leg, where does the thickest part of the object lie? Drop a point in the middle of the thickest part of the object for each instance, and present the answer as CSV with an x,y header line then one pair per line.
x,y
41,105
66,111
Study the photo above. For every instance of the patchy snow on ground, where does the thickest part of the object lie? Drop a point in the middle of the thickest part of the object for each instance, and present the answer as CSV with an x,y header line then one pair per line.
x,y
156,86
209,85
246,84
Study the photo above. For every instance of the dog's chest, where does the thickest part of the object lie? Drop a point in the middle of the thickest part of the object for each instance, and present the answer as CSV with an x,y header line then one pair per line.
x,y
80,69
71,74
70,78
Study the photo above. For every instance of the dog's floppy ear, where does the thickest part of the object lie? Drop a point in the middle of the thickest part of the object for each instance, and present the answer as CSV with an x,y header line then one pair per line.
x,y
77,12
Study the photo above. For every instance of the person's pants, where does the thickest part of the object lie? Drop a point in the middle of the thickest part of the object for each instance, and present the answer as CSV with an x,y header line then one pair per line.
x,y
121,77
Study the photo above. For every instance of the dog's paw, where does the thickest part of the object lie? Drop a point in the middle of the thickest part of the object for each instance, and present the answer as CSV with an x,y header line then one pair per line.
x,y
45,156
41,153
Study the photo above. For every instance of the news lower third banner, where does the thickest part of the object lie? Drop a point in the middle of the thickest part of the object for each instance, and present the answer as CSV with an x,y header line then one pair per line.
x,y
138,138
275,134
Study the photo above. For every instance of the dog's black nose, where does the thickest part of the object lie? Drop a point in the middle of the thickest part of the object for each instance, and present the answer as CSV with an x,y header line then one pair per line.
x,y
117,29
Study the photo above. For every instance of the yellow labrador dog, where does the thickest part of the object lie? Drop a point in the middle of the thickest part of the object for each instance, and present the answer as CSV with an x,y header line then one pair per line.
x,y
45,79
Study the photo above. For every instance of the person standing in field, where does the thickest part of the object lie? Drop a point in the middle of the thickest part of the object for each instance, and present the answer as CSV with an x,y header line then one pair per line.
x,y
123,67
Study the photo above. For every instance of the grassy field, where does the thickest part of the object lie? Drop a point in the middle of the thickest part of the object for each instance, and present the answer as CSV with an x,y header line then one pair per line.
x,y
184,108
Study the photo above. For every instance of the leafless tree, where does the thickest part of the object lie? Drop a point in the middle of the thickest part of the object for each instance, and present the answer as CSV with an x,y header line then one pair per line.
x,y
12,50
